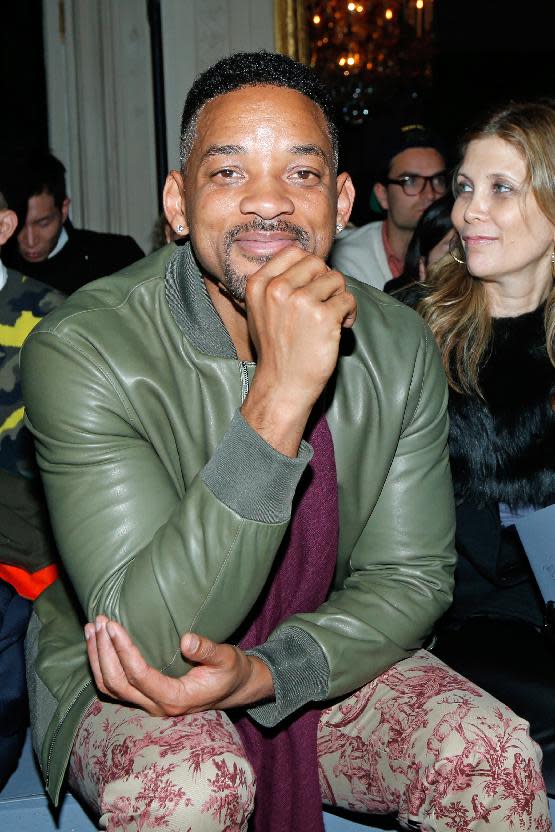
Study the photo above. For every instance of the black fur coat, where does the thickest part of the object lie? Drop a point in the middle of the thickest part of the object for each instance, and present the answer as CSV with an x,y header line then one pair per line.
x,y
503,447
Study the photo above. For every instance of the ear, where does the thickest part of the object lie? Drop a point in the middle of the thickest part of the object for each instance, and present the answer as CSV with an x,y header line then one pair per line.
x,y
380,192
65,208
8,224
174,203
345,198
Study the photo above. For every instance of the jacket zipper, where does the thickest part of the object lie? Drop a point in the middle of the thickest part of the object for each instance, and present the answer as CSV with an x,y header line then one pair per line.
x,y
244,380
57,731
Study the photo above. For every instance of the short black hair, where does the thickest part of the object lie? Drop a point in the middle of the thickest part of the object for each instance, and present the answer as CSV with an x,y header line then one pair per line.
x,y
25,176
250,69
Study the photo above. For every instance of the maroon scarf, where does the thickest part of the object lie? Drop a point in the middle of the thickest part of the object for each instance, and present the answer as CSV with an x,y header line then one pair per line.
x,y
284,759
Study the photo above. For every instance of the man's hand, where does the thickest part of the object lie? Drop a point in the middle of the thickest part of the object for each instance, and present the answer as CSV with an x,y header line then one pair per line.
x,y
223,676
296,309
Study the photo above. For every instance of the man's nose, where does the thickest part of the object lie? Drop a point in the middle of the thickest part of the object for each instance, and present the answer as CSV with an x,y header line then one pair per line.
x,y
27,236
428,192
267,198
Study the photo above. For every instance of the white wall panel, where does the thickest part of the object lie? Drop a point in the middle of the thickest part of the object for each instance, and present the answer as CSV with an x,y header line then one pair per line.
x,y
196,34
99,87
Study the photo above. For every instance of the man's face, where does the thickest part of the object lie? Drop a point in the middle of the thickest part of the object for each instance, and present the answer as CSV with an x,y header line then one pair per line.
x,y
43,225
404,211
260,177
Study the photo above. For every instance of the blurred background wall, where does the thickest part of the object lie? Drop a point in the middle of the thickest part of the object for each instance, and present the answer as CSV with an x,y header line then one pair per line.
x,y
78,75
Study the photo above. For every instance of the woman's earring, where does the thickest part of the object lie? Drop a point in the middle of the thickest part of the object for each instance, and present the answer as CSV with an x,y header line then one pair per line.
x,y
180,228
553,264
338,228
452,244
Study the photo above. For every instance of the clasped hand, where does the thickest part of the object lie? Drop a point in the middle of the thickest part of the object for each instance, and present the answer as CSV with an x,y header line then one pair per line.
x,y
223,676
296,310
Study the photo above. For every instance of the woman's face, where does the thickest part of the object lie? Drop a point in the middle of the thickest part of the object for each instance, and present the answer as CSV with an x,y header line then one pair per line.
x,y
503,231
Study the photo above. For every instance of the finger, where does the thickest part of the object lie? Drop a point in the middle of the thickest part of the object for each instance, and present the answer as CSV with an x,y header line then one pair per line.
x,y
144,680
294,264
90,636
345,307
325,286
204,651
114,679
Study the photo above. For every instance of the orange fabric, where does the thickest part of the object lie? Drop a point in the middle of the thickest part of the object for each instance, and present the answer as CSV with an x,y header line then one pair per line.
x,y
28,585
396,265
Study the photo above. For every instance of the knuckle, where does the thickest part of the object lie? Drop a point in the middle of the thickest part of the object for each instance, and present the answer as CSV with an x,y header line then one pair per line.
x,y
278,289
207,650
315,263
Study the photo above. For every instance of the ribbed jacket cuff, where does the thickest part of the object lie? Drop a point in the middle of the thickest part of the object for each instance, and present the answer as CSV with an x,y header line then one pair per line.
x,y
299,670
252,478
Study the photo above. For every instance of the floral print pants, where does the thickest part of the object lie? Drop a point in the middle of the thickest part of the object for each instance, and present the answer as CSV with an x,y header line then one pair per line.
x,y
420,741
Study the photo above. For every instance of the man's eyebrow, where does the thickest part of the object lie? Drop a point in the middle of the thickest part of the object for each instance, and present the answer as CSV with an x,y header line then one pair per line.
x,y
413,173
222,150
45,217
310,150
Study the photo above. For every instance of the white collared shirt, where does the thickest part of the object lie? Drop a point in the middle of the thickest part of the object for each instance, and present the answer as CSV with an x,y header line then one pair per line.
x,y
62,240
3,275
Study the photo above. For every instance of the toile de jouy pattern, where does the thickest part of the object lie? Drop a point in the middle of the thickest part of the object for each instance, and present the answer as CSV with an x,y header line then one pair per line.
x,y
419,741
423,742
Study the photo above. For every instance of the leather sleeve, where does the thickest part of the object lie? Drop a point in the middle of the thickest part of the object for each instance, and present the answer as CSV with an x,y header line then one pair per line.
x,y
402,566
135,547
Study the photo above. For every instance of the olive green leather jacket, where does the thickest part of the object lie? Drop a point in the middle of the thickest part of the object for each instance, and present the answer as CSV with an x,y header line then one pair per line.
x,y
168,509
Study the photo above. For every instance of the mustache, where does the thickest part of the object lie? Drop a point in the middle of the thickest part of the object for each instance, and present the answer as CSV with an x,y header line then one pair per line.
x,y
295,231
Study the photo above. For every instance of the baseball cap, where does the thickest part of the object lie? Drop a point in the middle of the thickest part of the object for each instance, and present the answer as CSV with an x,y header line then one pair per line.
x,y
395,137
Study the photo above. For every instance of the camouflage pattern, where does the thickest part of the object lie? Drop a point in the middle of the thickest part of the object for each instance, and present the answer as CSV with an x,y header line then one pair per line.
x,y
23,302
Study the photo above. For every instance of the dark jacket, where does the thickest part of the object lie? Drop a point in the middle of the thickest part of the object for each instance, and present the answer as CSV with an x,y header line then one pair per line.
x,y
86,256
502,449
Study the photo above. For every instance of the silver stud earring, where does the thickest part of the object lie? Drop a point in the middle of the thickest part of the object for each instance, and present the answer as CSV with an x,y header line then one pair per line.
x,y
180,228
338,228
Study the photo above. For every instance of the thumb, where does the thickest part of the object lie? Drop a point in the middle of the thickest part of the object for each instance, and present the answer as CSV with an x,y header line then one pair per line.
x,y
200,649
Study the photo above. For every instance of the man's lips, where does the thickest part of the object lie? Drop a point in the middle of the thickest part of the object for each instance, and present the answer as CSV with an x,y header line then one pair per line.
x,y
256,243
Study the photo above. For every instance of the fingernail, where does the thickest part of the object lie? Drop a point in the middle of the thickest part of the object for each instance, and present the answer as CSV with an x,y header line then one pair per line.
x,y
88,632
111,629
98,625
193,642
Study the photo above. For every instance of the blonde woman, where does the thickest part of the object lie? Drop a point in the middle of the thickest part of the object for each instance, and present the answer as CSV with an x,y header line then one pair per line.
x,y
491,307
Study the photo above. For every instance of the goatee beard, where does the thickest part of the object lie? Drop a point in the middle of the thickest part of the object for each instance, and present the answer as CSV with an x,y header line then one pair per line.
x,y
236,283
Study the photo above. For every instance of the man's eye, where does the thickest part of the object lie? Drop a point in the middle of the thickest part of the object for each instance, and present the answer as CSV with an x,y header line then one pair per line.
x,y
409,180
45,223
306,175
225,173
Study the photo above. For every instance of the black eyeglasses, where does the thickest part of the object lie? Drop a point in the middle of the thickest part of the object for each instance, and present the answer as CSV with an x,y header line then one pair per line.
x,y
413,183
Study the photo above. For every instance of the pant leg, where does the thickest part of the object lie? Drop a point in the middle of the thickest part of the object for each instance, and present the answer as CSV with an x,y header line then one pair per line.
x,y
423,742
182,774
515,663
14,715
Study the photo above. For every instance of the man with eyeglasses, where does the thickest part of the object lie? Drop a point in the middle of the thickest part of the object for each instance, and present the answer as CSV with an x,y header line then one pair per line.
x,y
411,175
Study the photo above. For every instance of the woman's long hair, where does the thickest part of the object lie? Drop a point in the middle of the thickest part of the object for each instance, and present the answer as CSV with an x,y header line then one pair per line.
x,y
456,307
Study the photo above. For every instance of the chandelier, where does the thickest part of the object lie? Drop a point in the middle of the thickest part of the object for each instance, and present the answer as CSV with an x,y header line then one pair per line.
x,y
370,50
